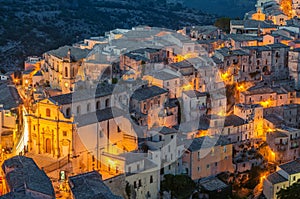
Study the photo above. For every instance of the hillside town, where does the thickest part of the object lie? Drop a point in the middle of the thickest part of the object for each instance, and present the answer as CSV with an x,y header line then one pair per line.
x,y
150,113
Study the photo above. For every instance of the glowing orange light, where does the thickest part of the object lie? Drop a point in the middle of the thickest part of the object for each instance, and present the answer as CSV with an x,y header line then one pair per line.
x,y
262,178
187,87
225,76
222,113
273,154
265,104
241,87
286,7
180,58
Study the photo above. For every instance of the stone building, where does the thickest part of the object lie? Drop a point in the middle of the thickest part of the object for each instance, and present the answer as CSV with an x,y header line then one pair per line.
x,y
207,156
25,180
294,66
286,175
62,67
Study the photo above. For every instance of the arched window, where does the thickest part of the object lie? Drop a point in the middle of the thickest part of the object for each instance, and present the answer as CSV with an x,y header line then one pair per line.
x,y
88,107
78,110
48,112
68,112
107,103
98,105
66,72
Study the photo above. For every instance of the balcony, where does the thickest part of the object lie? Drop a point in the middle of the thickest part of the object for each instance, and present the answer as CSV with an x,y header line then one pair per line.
x,y
281,148
281,143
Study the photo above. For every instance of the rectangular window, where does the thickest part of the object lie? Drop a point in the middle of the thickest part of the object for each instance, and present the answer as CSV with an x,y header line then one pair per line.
x,y
65,133
48,112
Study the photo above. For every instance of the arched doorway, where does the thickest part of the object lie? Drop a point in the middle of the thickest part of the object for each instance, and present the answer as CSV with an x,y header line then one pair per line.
x,y
48,145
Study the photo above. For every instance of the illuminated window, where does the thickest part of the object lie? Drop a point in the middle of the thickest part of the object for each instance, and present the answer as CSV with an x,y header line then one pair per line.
x,y
66,72
48,112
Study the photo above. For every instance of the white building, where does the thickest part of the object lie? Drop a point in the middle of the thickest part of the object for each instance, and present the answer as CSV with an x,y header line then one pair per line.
x,y
286,175
294,66
194,104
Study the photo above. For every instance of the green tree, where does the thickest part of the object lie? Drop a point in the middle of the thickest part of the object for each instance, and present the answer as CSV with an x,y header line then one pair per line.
x,y
223,23
290,192
180,186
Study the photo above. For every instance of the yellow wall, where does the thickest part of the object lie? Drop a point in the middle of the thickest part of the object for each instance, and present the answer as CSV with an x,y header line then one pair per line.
x,y
50,134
